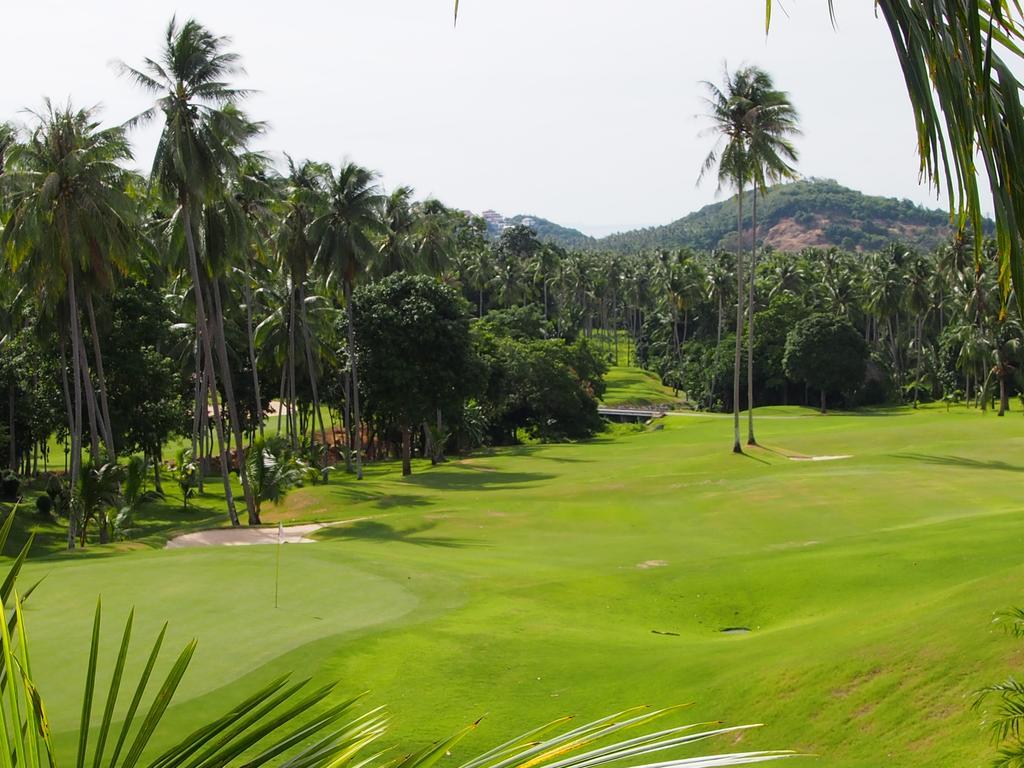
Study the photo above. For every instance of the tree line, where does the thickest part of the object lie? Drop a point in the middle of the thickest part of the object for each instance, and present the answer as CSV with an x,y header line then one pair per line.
x,y
219,295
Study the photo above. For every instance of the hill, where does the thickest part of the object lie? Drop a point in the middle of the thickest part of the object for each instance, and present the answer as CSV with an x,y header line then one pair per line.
x,y
815,213
546,230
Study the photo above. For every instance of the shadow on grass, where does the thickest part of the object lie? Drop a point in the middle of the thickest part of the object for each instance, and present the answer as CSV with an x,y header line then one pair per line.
x,y
374,530
378,499
959,461
534,449
466,477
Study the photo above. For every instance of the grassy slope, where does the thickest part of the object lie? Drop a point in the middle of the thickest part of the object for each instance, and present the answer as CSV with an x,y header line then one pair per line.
x,y
635,386
508,584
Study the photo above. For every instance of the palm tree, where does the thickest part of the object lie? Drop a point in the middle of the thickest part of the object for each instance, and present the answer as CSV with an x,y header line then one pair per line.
x,y
771,121
919,303
69,211
397,250
197,150
728,110
305,198
344,234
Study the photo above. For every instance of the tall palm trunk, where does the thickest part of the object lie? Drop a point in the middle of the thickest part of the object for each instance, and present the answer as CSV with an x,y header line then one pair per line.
x,y
108,431
718,345
89,393
74,429
218,423
250,333
346,420
236,422
736,447
406,451
292,415
11,431
352,356
205,342
76,359
199,418
307,343
751,440
918,333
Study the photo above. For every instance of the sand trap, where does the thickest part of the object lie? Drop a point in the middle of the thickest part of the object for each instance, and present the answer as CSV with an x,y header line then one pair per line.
x,y
652,564
240,537
820,458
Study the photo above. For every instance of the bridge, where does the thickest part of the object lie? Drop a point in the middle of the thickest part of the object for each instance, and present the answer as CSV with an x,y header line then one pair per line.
x,y
626,413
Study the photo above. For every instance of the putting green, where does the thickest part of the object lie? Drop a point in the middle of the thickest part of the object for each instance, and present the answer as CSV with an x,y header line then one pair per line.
x,y
542,580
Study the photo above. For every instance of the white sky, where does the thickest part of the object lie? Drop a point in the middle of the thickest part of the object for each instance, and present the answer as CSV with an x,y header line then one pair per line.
x,y
580,111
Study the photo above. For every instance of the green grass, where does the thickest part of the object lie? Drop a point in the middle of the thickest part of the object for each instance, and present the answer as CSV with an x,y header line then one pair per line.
x,y
635,386
511,584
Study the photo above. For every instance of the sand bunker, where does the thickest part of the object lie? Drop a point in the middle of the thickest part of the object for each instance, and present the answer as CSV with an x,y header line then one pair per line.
x,y
239,537
652,564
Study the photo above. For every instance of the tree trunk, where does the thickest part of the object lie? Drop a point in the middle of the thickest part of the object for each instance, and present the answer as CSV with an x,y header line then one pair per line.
x,y
108,431
346,420
199,409
206,342
307,344
74,421
11,431
406,451
439,448
236,421
157,460
252,350
919,327
736,448
352,356
292,425
225,466
89,393
751,440
823,405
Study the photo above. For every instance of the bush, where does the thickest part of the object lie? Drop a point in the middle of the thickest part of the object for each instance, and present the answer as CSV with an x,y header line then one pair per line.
x,y
44,506
10,485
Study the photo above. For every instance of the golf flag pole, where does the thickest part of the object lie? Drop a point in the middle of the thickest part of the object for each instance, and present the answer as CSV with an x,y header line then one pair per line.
x,y
277,568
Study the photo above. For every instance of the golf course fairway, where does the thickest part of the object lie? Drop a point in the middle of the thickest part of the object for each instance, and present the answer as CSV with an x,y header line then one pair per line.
x,y
543,580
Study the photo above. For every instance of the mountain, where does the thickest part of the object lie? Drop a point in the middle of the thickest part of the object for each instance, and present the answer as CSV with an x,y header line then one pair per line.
x,y
816,213
546,230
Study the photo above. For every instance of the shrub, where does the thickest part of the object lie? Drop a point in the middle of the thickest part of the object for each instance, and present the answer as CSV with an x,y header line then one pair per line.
x,y
10,485
44,506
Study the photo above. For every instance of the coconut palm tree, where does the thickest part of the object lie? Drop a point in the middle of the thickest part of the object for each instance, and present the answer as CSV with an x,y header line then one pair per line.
x,y
918,301
728,109
397,249
771,122
199,148
69,213
304,199
345,234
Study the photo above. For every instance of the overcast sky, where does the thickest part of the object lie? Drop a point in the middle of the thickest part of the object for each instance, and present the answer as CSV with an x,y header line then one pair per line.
x,y
584,112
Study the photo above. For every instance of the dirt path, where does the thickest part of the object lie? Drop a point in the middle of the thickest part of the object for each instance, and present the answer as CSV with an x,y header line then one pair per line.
x,y
240,537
